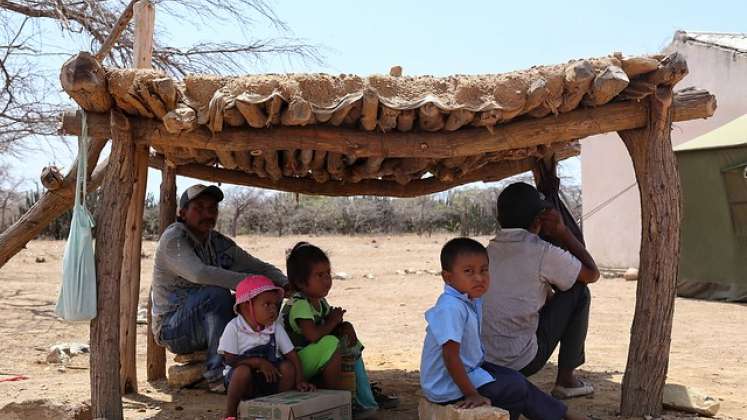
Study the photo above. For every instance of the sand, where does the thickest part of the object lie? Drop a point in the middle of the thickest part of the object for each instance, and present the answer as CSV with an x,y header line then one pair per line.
x,y
708,342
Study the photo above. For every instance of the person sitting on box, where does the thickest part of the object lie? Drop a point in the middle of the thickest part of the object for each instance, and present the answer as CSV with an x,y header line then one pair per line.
x,y
328,347
259,356
452,367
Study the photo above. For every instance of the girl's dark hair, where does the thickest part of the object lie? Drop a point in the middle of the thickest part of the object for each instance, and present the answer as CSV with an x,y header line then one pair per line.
x,y
299,261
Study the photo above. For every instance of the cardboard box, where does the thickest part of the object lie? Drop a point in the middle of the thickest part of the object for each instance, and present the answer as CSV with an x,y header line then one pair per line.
x,y
323,404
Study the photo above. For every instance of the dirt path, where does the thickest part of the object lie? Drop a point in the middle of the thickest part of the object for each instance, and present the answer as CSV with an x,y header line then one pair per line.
x,y
708,343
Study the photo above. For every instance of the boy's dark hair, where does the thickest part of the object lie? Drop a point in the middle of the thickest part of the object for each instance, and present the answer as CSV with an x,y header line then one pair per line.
x,y
459,246
299,261
519,204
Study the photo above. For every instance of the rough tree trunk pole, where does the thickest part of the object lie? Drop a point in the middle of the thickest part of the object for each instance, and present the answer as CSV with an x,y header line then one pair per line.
x,y
167,216
655,168
130,281
111,218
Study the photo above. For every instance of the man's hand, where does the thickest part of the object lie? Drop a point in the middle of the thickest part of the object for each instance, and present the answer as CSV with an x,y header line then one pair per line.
x,y
346,330
552,224
472,401
271,373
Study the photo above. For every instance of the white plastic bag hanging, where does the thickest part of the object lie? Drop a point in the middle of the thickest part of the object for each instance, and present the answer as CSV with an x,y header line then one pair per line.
x,y
77,299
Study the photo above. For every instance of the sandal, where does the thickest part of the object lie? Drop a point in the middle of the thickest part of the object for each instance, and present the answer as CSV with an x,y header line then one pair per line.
x,y
385,401
360,412
563,393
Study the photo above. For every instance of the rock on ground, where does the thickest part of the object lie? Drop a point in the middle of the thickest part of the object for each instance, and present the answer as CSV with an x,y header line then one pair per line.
x,y
61,353
196,357
430,411
43,409
185,375
631,274
680,397
142,315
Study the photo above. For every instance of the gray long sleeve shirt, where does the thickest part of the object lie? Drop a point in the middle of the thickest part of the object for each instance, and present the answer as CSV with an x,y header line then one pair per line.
x,y
183,262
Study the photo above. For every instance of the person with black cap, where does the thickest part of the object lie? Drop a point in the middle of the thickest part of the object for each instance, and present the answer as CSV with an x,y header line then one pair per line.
x,y
538,295
194,271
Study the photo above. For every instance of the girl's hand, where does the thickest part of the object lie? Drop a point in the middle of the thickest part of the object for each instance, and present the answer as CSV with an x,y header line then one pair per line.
x,y
335,316
473,401
305,387
271,373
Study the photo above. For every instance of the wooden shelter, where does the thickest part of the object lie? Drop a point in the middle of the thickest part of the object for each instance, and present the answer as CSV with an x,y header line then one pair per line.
x,y
384,135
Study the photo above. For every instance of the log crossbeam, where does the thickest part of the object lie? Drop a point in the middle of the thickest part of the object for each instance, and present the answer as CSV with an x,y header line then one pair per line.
x,y
580,123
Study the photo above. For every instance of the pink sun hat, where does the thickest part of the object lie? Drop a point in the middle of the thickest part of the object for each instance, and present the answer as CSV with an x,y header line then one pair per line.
x,y
252,286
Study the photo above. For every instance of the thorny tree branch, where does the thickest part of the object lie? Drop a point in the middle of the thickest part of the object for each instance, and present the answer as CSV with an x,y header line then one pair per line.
x,y
26,109
23,110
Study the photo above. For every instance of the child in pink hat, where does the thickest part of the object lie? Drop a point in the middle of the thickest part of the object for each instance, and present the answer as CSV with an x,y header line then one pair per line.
x,y
259,356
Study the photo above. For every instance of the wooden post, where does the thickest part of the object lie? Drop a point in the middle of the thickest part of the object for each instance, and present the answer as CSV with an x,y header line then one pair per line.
x,y
111,218
145,18
167,207
658,180
130,279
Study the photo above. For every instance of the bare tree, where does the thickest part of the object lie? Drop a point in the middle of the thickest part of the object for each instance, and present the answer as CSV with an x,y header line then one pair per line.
x,y
9,194
25,108
237,201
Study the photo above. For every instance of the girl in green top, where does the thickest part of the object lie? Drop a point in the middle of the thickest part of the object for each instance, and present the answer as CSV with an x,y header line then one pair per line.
x,y
318,330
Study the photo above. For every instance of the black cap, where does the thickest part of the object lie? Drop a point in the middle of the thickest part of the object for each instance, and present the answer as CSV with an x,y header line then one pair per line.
x,y
519,204
197,190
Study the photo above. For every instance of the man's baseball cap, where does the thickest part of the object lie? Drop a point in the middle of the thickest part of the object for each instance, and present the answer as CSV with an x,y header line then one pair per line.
x,y
197,190
519,204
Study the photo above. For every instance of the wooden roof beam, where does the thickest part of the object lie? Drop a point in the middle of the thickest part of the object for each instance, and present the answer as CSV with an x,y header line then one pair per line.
x,y
688,104
490,172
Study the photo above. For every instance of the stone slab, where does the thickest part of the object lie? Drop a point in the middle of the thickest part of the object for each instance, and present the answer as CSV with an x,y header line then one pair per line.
x,y
680,397
430,411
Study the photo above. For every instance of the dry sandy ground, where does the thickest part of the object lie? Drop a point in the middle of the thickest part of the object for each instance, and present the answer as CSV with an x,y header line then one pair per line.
x,y
708,343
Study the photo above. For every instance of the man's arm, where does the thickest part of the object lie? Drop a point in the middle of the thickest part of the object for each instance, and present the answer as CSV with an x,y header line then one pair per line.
x,y
553,226
248,264
178,256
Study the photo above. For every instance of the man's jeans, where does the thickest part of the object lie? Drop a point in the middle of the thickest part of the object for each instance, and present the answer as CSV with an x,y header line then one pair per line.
x,y
198,324
563,320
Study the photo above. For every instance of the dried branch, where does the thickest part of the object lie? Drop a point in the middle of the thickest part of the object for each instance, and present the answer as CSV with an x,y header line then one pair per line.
x,y
26,106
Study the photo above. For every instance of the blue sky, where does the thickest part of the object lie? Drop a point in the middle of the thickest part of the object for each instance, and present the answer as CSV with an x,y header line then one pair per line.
x,y
444,37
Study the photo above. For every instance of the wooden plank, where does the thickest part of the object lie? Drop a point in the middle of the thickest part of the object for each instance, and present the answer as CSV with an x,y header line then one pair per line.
x,y
130,279
655,168
111,218
156,355
489,172
581,123
144,12
145,19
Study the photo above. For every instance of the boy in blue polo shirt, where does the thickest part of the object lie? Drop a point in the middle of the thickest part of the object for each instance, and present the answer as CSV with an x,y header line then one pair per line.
x,y
452,367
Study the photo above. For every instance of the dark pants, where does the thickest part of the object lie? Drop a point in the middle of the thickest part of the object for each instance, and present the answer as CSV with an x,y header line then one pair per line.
x,y
513,392
564,320
261,387
198,324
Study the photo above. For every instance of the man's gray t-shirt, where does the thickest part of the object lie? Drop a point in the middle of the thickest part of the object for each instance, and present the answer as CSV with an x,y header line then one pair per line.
x,y
523,267
183,262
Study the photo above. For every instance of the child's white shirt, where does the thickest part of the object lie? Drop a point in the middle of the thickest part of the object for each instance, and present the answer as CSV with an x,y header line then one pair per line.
x,y
238,337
